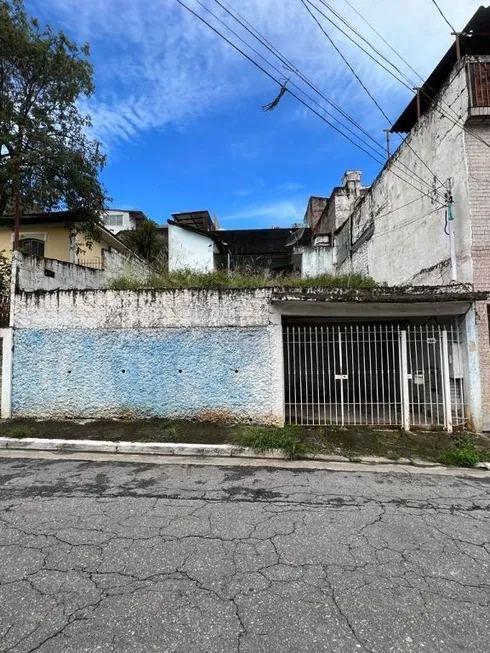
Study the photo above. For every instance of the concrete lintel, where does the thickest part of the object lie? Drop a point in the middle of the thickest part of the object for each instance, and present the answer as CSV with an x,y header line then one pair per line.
x,y
370,309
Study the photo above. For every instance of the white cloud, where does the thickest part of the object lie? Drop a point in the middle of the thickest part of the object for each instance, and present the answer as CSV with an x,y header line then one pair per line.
x,y
280,213
288,187
158,65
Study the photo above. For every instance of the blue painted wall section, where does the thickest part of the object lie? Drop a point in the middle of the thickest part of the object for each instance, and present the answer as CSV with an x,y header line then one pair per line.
x,y
172,373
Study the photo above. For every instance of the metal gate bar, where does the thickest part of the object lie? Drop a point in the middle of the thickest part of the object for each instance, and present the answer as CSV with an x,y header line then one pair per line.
x,y
373,374
342,374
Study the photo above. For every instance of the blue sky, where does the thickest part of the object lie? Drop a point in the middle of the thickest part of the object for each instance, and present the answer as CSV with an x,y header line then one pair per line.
x,y
179,111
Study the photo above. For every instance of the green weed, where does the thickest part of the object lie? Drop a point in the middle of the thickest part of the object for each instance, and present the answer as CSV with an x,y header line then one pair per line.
x,y
263,439
223,279
464,454
20,432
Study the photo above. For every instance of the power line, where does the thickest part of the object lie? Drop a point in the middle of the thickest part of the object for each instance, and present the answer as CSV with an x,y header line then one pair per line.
x,y
256,52
345,60
299,99
242,21
289,65
384,40
442,14
366,41
410,88
401,81
266,72
416,154
406,224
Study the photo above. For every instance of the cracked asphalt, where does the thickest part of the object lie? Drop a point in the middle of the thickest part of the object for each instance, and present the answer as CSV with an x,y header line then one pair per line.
x,y
133,557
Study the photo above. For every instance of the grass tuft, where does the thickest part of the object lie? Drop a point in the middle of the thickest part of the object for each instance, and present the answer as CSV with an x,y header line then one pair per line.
x,y
20,432
263,439
223,279
464,453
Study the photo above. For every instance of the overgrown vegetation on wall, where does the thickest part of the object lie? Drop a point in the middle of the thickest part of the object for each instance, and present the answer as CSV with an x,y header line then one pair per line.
x,y
5,273
223,279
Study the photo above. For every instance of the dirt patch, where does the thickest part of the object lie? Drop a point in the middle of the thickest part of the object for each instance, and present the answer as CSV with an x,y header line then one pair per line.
x,y
351,442
152,430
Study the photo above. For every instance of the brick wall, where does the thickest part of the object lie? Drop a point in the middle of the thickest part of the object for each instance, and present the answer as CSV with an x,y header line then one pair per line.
x,y
478,164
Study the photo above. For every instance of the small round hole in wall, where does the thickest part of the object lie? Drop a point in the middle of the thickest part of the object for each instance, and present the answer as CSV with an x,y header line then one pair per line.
x,y
180,371
69,371
123,371
236,371
250,419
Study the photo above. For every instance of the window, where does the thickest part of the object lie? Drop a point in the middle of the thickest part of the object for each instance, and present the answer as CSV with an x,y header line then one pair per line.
x,y
32,246
114,220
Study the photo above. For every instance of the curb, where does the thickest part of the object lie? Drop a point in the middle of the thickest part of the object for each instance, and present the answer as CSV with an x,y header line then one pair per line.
x,y
197,450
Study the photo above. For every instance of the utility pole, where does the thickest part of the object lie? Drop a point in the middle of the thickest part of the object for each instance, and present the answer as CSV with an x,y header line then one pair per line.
x,y
450,224
17,208
457,35
419,106
387,132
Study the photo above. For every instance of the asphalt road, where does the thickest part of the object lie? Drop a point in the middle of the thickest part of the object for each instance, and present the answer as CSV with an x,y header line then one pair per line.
x,y
125,557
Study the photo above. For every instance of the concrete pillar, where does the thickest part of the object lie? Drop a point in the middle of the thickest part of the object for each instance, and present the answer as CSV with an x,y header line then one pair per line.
x,y
472,381
277,365
6,395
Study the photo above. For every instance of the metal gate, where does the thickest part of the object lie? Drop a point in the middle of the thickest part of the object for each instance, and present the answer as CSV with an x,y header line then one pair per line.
x,y
373,374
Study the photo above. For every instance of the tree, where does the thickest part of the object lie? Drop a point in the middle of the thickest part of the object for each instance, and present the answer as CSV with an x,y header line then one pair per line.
x,y
47,160
147,242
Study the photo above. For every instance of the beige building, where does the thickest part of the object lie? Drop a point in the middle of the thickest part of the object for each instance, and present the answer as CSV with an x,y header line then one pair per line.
x,y
59,235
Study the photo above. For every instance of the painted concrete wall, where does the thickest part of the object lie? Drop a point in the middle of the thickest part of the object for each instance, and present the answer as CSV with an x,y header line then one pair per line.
x,y
56,239
41,274
145,309
183,354
189,251
127,222
107,252
316,261
409,244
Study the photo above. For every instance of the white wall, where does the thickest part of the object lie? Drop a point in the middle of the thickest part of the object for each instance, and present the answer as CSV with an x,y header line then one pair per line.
x,y
206,355
127,221
409,245
316,261
34,274
189,251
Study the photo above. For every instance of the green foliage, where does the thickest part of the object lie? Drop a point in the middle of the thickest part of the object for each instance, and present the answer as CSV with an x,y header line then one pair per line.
x,y
464,453
43,139
223,279
147,243
5,273
20,432
263,439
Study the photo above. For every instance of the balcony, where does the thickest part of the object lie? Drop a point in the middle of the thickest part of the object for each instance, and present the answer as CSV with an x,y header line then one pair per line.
x,y
478,75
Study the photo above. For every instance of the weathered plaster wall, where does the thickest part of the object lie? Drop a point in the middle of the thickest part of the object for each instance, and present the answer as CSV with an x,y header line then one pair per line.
x,y
38,274
316,261
202,373
408,244
145,309
189,251
117,264
314,211
186,354
478,165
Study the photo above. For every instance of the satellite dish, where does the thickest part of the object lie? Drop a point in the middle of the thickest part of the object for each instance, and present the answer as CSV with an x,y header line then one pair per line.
x,y
295,237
